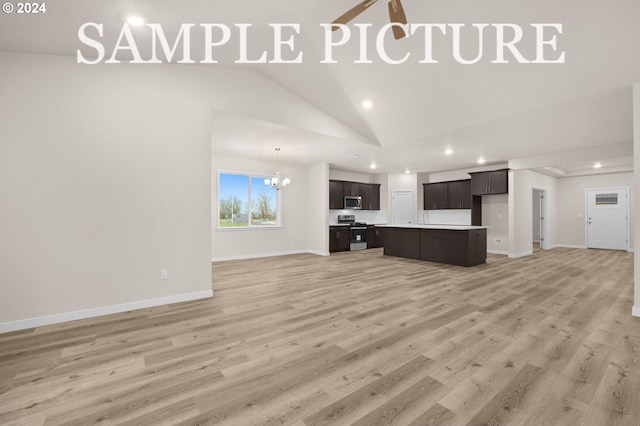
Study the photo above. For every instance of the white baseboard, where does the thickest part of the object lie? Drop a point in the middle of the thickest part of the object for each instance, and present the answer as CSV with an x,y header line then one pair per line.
x,y
318,252
271,254
97,312
521,254
572,246
504,252
635,311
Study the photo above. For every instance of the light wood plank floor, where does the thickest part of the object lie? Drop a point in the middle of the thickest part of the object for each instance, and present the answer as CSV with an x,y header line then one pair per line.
x,y
354,338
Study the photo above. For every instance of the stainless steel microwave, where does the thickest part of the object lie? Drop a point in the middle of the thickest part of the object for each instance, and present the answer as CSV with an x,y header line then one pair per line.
x,y
354,203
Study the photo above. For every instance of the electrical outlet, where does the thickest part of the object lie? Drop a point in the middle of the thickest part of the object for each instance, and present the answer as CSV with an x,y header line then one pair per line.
x,y
498,241
164,274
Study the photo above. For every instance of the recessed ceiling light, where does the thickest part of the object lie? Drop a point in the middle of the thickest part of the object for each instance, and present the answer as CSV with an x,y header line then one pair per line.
x,y
353,156
598,165
367,104
373,165
481,160
135,21
407,171
448,151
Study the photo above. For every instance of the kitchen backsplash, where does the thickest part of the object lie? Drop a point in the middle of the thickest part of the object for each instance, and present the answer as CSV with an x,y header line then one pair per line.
x,y
368,216
427,217
444,217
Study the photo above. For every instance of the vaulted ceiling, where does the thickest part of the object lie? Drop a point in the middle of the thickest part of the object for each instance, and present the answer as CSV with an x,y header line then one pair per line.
x,y
557,118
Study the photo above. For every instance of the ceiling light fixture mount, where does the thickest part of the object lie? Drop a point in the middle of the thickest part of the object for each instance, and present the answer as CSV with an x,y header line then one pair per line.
x,y
396,16
276,182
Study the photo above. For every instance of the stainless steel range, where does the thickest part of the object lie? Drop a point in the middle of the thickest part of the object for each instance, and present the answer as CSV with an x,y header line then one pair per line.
x,y
358,231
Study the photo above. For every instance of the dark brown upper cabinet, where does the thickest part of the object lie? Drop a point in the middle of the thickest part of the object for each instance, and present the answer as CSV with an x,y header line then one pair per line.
x,y
436,196
370,193
351,189
460,194
448,195
336,195
365,193
492,182
374,197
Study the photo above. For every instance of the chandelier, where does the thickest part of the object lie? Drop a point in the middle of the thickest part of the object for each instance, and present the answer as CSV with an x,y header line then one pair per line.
x,y
277,182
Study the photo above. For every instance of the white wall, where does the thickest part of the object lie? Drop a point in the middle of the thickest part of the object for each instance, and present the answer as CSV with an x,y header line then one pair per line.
x,y
522,183
349,176
233,243
421,179
104,182
636,189
571,210
495,215
317,214
105,179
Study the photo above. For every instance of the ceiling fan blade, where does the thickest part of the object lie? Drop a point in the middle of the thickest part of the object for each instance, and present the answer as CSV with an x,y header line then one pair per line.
x,y
353,12
396,14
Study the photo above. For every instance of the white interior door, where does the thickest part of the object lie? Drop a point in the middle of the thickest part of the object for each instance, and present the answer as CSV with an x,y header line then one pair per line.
x,y
607,223
401,207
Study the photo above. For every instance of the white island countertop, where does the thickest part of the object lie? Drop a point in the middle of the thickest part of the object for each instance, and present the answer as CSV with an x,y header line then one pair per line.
x,y
449,227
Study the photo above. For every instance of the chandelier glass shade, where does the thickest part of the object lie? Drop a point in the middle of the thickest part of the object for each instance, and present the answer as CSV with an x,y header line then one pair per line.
x,y
277,182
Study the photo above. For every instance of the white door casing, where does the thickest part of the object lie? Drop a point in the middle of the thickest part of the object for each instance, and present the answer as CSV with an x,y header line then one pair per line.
x,y
607,220
401,207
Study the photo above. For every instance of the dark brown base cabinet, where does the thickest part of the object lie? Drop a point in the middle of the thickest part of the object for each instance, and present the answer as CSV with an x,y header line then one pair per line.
x,y
339,238
466,247
374,237
402,242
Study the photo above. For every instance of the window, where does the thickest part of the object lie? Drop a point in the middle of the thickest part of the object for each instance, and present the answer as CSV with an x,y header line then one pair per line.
x,y
606,199
244,201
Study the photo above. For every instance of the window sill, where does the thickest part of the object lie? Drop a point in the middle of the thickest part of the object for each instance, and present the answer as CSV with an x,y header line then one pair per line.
x,y
249,228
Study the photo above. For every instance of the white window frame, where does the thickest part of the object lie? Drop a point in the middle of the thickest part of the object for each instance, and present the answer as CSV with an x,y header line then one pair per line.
x,y
250,226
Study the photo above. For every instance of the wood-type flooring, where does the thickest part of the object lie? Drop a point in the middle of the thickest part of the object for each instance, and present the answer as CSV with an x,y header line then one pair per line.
x,y
354,338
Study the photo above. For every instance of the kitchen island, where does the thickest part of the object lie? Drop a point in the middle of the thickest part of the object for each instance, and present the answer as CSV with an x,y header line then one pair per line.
x,y
451,244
